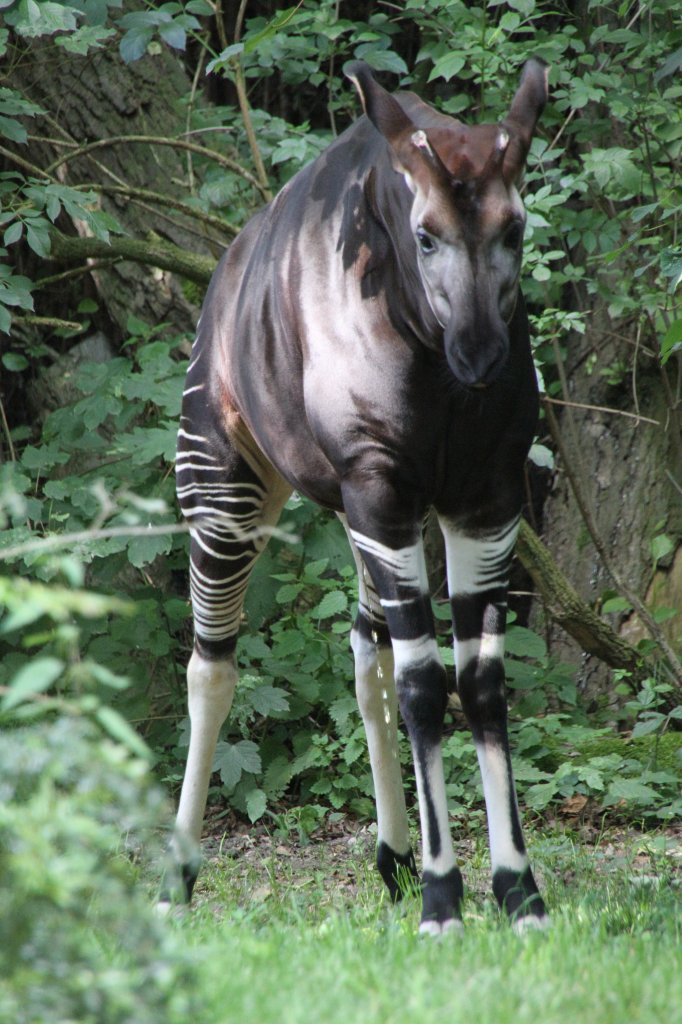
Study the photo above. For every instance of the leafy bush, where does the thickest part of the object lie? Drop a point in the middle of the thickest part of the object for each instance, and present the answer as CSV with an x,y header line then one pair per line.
x,y
79,939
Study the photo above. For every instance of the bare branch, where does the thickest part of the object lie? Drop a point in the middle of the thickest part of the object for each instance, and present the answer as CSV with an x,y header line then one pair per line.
x,y
175,204
155,140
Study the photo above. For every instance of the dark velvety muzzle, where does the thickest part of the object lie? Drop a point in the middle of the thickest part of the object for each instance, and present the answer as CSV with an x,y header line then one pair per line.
x,y
476,354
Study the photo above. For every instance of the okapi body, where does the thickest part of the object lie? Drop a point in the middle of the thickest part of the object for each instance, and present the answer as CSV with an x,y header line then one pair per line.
x,y
364,341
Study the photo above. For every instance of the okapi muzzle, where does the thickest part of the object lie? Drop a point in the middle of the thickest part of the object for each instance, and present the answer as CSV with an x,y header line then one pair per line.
x,y
467,217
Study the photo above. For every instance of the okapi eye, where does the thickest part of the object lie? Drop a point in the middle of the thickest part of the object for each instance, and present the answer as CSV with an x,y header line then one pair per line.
x,y
426,242
513,237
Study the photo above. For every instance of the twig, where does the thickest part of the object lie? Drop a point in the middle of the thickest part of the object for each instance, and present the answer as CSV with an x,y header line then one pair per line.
x,y
190,107
49,321
154,253
243,101
25,164
43,282
158,197
8,435
155,140
66,540
601,408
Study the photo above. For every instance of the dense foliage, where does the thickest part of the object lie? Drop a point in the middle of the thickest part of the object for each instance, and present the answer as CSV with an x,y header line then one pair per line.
x,y
94,479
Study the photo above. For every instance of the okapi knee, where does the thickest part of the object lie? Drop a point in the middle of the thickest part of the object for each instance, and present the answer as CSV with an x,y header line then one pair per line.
x,y
481,689
423,697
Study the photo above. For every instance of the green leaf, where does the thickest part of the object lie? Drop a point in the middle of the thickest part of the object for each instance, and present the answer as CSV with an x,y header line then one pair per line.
x,y
13,233
143,550
84,39
650,724
333,603
661,547
381,60
671,341
35,677
288,593
232,759
447,67
631,791
509,22
616,604
134,44
45,19
14,362
256,802
37,236
525,643
541,456
12,130
122,732
266,699
275,25
174,34
672,65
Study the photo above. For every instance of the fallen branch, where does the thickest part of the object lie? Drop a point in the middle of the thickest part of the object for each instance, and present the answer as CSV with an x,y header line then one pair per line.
x,y
565,607
152,253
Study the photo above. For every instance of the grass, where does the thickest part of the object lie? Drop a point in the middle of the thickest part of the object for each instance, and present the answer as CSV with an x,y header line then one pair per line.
x,y
280,939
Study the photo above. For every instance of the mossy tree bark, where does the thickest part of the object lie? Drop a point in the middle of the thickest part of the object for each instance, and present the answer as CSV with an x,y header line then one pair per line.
x,y
93,98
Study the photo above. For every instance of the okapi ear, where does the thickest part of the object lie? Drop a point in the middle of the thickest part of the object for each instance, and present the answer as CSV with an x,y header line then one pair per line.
x,y
412,154
527,105
383,110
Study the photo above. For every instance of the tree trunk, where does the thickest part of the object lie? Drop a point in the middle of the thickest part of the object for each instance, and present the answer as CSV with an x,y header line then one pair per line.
x,y
97,98
627,471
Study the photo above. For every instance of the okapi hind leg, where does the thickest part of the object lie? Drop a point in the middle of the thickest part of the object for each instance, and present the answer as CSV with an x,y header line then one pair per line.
x,y
478,570
378,703
232,498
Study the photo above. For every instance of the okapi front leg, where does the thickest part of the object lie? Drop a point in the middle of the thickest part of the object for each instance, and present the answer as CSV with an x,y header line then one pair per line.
x,y
400,577
478,571
378,703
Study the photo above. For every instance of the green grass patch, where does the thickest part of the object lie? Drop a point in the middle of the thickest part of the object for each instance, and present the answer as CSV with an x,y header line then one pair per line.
x,y
272,944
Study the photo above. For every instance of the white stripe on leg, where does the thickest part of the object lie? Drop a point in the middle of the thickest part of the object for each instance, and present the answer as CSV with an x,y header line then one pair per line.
x,y
498,789
378,705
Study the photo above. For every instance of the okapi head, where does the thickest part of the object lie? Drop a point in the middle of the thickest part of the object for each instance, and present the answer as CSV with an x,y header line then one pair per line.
x,y
467,218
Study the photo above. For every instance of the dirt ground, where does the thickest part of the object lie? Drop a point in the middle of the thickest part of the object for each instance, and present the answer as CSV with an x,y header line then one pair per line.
x,y
259,858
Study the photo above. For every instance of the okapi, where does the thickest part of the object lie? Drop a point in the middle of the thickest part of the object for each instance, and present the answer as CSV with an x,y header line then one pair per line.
x,y
364,342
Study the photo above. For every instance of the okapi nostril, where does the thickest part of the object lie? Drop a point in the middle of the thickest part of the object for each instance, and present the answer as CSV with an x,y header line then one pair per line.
x,y
318,366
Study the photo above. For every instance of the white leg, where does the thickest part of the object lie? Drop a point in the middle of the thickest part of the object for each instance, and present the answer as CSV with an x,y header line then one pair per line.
x,y
211,686
378,703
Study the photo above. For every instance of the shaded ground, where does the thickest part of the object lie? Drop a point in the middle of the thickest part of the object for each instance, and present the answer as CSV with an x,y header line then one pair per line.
x,y
251,863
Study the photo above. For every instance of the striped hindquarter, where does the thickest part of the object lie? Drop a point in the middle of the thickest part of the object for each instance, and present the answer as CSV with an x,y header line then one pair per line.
x,y
231,497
